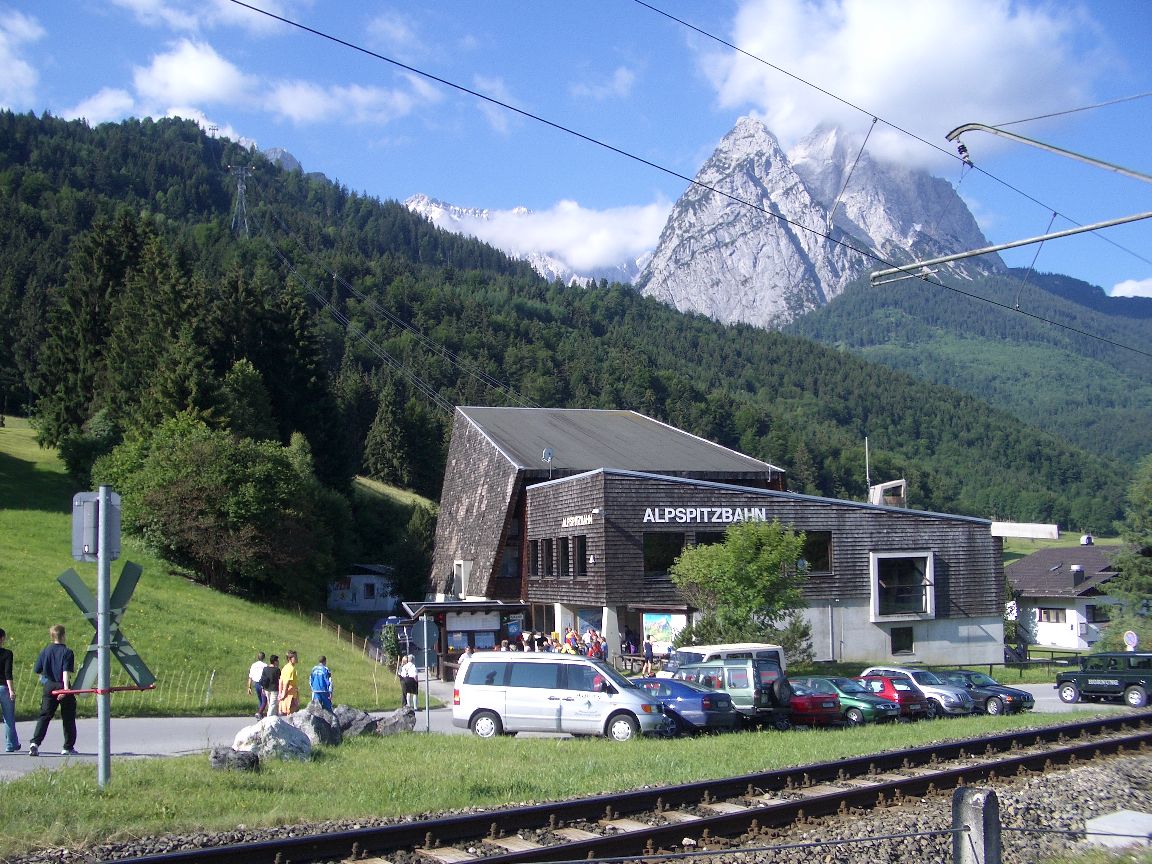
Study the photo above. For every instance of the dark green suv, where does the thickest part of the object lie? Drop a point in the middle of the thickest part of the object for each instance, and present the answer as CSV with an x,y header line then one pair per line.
x,y
1126,675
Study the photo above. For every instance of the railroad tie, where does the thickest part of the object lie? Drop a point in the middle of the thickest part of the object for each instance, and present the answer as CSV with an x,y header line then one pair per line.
x,y
679,816
723,807
575,834
625,824
513,844
447,855
819,789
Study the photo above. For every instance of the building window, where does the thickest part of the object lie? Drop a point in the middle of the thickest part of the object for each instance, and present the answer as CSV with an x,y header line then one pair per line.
x,y
709,538
902,642
580,556
534,559
369,590
1097,614
903,585
547,563
817,552
661,548
565,569
1052,616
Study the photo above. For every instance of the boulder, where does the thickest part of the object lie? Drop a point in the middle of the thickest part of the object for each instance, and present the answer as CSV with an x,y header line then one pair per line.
x,y
227,759
320,725
274,738
353,721
400,720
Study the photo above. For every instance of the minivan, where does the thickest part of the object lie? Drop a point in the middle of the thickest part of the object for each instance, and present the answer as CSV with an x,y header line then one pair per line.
x,y
502,693
758,688
732,650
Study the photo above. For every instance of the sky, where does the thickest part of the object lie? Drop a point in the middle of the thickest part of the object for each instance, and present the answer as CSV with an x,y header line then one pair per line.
x,y
634,101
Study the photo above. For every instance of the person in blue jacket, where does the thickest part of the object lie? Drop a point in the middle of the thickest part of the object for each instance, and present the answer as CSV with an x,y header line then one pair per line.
x,y
320,682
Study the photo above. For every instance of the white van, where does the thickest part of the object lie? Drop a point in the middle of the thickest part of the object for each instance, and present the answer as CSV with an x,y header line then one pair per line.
x,y
500,692
734,650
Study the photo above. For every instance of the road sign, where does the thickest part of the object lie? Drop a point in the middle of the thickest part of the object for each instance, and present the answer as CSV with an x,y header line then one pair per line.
x,y
86,526
120,647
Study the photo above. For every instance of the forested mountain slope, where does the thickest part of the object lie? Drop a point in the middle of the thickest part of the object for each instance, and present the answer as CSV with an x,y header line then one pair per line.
x,y
1091,392
125,297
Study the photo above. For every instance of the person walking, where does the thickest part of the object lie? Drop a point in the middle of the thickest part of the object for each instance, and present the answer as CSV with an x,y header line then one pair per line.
x,y
289,690
270,682
254,685
320,683
648,656
410,682
7,698
55,666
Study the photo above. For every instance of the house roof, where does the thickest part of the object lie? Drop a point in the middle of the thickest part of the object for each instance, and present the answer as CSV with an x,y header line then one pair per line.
x,y
1049,573
584,439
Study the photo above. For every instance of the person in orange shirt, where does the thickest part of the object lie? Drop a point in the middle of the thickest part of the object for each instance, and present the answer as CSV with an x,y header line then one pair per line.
x,y
289,689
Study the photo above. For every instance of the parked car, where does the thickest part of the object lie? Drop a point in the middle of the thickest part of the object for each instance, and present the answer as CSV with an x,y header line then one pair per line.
x,y
910,699
814,702
732,650
857,704
498,693
758,688
1126,675
988,694
947,699
693,708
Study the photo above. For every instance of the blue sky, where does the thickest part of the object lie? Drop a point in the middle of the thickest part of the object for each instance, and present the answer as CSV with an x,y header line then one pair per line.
x,y
619,72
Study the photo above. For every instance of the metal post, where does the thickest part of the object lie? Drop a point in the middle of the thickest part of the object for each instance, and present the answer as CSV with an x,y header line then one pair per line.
x,y
975,826
427,707
103,698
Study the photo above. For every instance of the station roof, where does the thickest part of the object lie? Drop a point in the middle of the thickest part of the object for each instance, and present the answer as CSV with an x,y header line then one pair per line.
x,y
582,439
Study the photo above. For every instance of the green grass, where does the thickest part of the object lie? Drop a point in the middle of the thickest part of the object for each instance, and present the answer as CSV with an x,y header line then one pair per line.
x,y
199,643
1017,547
401,775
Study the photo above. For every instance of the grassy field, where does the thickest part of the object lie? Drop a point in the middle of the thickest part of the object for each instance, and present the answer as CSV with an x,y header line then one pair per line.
x,y
409,774
199,643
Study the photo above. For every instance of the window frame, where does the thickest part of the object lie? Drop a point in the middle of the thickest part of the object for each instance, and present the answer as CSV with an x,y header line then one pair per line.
x,y
928,584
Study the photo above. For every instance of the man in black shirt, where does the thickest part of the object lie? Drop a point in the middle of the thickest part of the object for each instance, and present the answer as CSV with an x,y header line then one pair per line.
x,y
7,698
55,666
270,681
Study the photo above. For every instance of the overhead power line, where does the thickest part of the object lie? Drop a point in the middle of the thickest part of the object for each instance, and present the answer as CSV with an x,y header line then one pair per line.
x,y
673,173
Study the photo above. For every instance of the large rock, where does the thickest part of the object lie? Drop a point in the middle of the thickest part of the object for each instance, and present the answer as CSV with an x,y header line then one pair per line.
x,y
274,738
400,720
226,758
353,721
320,725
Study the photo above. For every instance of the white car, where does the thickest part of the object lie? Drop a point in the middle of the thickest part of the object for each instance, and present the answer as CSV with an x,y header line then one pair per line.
x,y
945,698
505,692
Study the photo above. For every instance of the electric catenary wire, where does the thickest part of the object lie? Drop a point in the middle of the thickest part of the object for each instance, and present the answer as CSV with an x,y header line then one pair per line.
x,y
672,173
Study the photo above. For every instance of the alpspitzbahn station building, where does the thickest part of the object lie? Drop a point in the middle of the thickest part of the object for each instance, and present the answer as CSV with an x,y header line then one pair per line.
x,y
558,517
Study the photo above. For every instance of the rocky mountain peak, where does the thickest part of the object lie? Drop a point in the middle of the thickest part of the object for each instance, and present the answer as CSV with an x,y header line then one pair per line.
x,y
764,236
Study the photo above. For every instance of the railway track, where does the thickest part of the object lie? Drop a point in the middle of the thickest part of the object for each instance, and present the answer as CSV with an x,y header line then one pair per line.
x,y
650,820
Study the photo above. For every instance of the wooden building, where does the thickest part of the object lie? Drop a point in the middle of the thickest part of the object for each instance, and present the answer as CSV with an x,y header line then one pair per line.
x,y
578,514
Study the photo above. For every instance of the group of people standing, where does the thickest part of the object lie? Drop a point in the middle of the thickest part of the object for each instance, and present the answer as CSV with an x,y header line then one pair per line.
x,y
277,689
56,664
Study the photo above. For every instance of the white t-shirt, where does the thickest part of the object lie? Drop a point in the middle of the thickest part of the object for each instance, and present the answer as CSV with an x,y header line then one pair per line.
x,y
255,670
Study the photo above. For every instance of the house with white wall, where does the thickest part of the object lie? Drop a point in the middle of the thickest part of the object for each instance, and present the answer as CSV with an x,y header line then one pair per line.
x,y
1062,595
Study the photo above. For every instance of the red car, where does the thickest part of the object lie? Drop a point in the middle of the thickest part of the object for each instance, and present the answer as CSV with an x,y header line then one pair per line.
x,y
814,703
903,691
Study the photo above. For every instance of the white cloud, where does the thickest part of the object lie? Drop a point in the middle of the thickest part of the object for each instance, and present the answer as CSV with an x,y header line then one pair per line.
x,y
927,66
109,104
190,16
617,87
19,78
161,13
305,102
1133,288
396,35
191,73
584,239
498,118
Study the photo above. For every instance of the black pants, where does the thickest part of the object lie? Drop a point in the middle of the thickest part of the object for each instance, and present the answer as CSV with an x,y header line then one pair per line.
x,y
48,704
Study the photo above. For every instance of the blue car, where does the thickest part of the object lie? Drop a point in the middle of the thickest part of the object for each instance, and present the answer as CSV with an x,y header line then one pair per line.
x,y
693,709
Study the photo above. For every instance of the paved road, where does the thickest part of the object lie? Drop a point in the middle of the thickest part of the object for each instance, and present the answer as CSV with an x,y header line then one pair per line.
x,y
139,737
